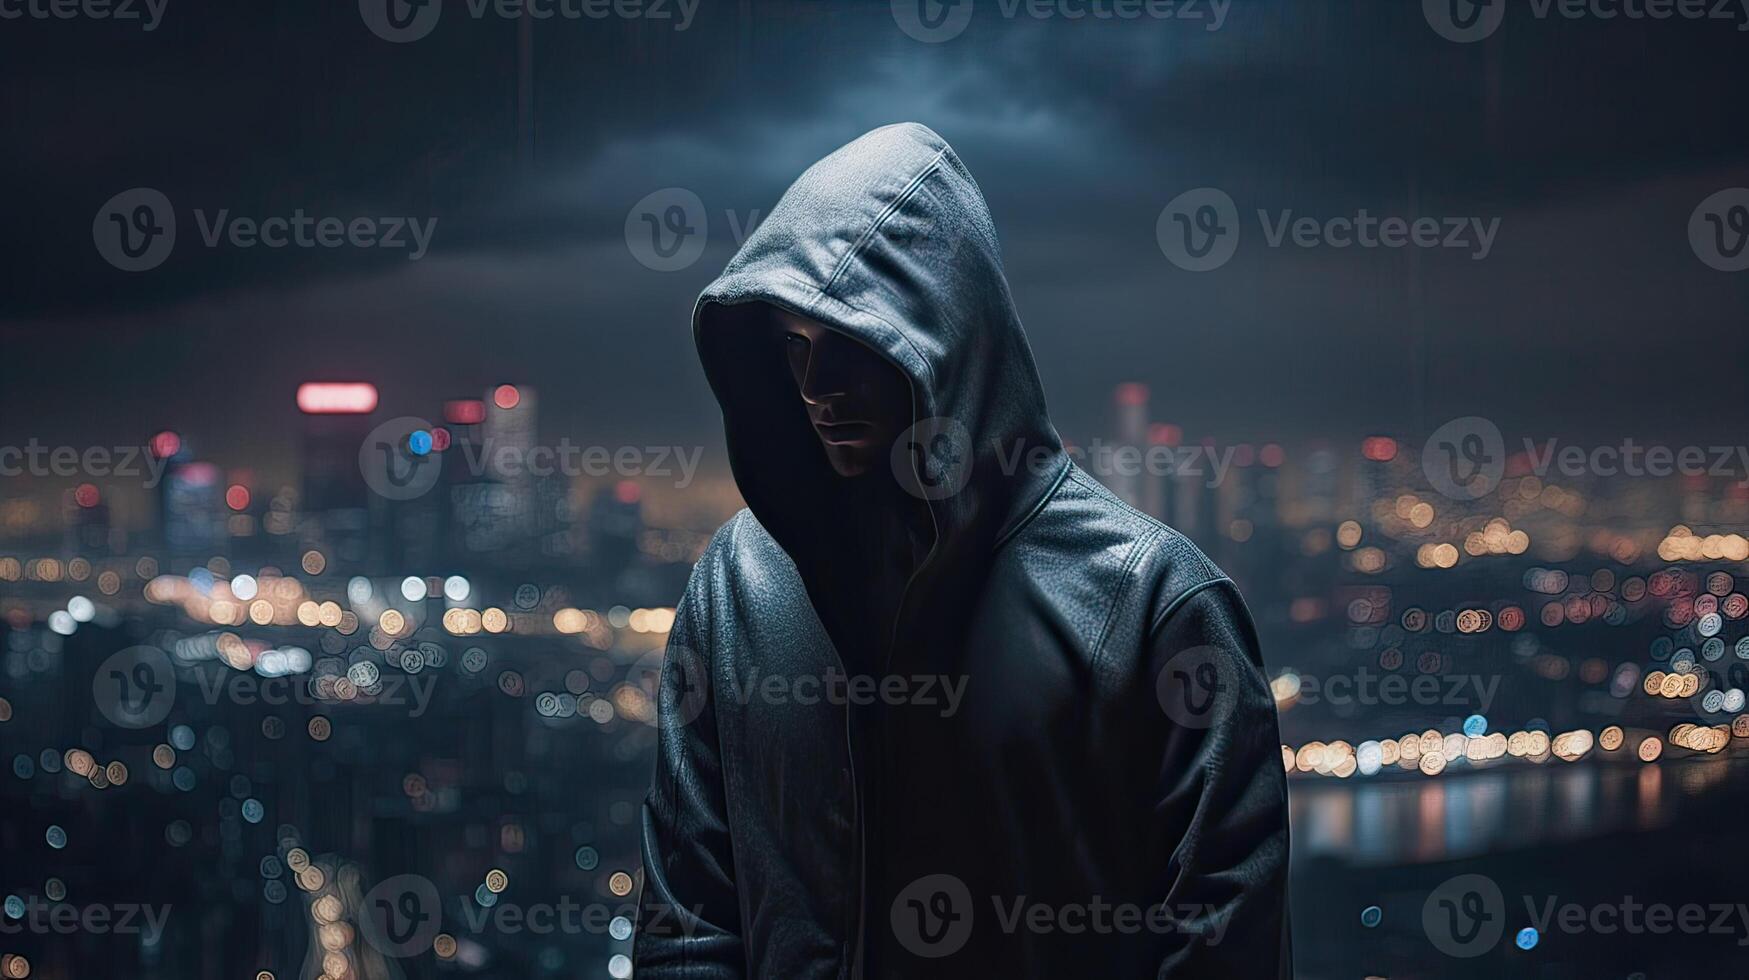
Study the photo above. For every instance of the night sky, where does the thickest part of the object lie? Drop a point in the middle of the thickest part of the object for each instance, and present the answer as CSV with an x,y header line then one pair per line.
x,y
1590,141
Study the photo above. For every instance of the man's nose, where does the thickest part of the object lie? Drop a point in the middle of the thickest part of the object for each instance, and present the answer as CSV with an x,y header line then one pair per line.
x,y
825,376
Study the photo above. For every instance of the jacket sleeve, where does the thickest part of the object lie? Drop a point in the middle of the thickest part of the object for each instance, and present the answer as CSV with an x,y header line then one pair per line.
x,y
1220,848
689,920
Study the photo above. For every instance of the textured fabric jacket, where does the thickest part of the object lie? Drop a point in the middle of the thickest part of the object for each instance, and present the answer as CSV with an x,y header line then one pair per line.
x,y
1104,797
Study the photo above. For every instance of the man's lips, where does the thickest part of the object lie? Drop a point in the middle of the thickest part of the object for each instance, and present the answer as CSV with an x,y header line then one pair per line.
x,y
844,433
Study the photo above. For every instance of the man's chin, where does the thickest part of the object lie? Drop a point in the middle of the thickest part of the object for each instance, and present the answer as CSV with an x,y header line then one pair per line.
x,y
850,461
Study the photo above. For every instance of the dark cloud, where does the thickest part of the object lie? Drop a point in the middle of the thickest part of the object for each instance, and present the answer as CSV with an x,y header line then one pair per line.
x,y
1589,141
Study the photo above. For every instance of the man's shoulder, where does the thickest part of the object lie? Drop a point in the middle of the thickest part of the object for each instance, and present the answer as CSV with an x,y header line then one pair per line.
x,y
1086,531
740,535
743,555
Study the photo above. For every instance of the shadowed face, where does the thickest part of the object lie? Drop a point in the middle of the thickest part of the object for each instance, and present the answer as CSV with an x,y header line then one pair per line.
x,y
857,402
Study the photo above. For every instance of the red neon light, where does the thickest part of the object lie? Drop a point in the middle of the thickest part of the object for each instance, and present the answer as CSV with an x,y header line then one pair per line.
x,y
337,398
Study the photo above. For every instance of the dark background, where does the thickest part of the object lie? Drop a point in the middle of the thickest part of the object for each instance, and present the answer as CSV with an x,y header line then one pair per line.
x,y
1591,140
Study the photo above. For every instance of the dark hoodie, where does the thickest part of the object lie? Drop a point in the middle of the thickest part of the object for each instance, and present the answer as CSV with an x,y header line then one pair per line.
x,y
1061,758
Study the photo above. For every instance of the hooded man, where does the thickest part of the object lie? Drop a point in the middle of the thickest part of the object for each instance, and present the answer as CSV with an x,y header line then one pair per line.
x,y
937,703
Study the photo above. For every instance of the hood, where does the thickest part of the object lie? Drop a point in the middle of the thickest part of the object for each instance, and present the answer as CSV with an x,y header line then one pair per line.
x,y
889,241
